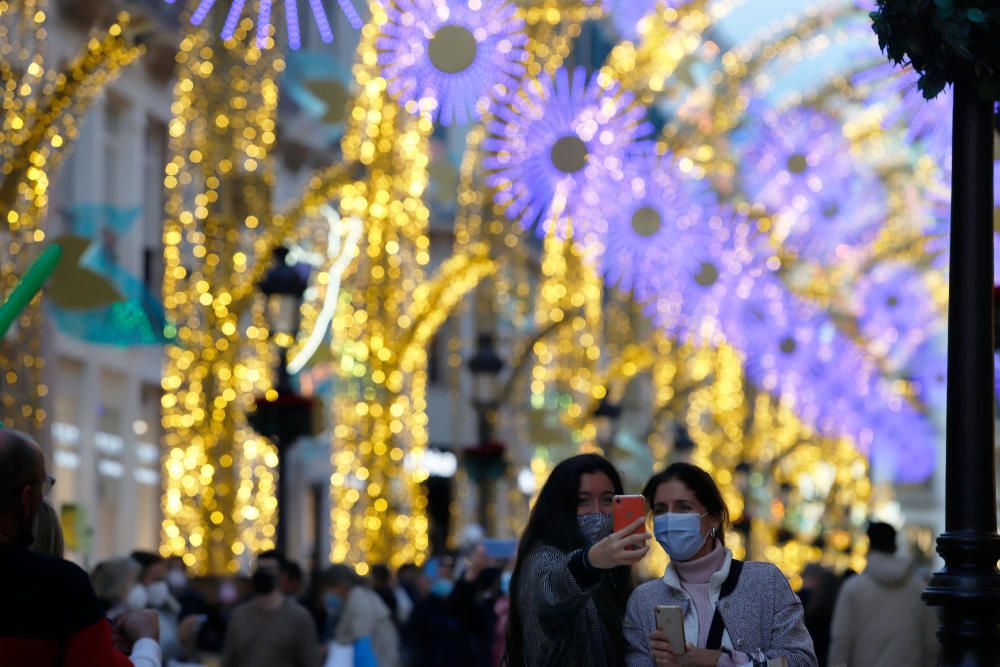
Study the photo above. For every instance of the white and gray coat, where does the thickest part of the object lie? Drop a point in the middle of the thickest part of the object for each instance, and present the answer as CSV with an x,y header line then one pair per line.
x,y
760,614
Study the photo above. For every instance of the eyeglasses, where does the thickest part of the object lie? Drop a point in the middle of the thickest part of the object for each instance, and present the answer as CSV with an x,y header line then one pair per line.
x,y
46,483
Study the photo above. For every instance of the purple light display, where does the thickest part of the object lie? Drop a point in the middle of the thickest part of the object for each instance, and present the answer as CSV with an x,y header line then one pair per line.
x,y
626,14
264,15
798,165
452,57
928,371
560,147
895,310
794,350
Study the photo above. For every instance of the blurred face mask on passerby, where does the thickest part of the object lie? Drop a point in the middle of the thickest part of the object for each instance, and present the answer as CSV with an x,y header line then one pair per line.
x,y
177,580
442,587
228,593
158,593
137,598
333,604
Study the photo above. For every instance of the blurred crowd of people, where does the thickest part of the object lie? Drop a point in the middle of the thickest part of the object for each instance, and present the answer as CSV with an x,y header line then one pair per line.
x,y
564,594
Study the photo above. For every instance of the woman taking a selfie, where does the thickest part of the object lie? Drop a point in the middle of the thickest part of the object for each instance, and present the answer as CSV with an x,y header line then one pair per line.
x,y
572,580
731,612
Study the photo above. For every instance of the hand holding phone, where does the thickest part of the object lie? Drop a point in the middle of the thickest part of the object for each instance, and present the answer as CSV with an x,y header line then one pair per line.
x,y
626,510
670,622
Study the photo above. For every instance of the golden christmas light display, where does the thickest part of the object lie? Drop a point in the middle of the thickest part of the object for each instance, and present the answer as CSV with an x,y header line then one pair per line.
x,y
219,500
43,107
388,313
573,341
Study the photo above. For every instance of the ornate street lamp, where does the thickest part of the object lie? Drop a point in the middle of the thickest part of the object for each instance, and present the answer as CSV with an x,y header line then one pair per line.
x,y
485,461
606,421
289,415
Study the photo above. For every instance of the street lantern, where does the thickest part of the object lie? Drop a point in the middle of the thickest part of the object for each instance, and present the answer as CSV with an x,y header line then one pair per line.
x,y
288,415
606,421
485,366
485,461
284,288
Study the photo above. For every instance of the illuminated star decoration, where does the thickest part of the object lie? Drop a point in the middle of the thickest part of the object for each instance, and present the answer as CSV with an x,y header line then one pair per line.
x,y
452,57
928,371
664,238
292,26
627,14
797,163
895,310
560,147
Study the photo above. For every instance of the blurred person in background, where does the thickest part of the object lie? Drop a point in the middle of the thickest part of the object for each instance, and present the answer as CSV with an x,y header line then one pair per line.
x,y
48,531
116,582
291,579
271,629
177,633
433,638
572,577
50,616
407,578
471,604
364,617
879,619
501,612
819,594
384,587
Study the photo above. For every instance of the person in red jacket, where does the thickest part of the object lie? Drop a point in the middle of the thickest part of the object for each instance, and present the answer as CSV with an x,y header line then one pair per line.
x,y
50,616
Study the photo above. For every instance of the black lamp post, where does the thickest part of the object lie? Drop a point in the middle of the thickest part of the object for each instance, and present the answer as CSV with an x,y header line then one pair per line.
x,y
968,588
606,420
485,460
289,415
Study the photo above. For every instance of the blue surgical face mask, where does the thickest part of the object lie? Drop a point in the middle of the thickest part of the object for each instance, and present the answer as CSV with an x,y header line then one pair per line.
x,y
594,526
679,534
441,588
505,582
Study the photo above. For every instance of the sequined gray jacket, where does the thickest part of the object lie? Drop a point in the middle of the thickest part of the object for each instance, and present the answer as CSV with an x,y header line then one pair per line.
x,y
761,613
560,624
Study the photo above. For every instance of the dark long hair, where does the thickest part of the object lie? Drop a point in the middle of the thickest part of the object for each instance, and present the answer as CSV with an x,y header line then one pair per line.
x,y
701,484
553,522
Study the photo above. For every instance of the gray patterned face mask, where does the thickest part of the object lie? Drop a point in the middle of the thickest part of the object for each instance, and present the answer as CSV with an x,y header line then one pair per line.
x,y
594,526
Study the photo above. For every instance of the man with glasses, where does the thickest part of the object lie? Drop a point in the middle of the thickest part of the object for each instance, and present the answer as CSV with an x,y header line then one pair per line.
x,y
50,615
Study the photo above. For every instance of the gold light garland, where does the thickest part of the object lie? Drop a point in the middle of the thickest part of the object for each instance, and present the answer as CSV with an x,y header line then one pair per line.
x,y
219,499
377,502
41,111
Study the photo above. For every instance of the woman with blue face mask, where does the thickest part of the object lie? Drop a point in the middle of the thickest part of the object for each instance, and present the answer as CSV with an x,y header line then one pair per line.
x,y
572,576
734,613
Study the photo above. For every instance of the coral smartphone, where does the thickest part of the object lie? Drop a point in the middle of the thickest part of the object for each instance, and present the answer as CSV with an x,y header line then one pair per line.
x,y
625,510
670,622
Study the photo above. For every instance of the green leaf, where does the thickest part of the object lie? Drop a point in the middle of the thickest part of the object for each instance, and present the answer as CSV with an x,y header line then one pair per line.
x,y
930,87
976,15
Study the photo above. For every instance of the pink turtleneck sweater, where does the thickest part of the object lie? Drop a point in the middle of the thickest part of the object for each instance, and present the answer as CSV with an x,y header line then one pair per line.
x,y
695,576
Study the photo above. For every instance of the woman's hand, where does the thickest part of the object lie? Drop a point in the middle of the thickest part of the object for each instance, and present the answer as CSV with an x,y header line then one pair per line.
x,y
664,655
661,650
620,548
